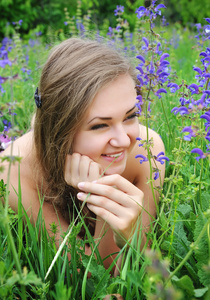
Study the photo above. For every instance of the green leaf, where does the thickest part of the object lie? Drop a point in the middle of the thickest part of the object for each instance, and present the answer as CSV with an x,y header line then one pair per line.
x,y
202,250
185,284
200,292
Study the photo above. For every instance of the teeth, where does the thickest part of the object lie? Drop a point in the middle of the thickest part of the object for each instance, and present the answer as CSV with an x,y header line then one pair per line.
x,y
115,155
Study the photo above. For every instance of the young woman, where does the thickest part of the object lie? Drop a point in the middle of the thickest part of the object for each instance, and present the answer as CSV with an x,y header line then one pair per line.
x,y
83,141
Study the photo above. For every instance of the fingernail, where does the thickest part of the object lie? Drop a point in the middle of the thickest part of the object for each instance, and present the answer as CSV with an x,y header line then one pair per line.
x,y
94,181
79,195
81,184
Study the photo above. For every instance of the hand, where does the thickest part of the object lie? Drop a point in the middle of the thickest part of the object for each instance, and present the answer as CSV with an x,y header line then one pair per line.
x,y
117,201
80,168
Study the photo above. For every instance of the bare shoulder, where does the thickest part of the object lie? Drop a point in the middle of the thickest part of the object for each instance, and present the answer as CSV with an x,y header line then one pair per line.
x,y
20,146
141,171
23,170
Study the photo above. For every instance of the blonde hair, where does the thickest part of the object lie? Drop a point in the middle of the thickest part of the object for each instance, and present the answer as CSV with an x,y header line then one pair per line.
x,y
72,76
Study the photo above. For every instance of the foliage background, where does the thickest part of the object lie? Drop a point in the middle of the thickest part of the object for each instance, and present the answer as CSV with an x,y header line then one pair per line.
x,y
43,15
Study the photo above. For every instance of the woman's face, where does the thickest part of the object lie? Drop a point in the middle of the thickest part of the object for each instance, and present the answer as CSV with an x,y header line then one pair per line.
x,y
111,126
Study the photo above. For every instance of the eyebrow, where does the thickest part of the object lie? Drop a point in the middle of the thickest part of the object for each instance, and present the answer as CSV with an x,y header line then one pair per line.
x,y
109,118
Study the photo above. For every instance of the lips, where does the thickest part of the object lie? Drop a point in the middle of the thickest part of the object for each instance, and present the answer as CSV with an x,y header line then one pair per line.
x,y
114,157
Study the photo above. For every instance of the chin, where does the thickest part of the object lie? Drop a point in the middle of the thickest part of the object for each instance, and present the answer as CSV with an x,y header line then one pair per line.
x,y
116,170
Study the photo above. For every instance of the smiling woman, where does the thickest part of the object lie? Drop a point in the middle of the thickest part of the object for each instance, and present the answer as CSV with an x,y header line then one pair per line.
x,y
83,145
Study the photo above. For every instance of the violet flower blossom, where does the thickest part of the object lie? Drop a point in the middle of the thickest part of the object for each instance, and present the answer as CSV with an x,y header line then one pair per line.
x,y
181,110
156,175
199,152
119,10
161,157
151,11
140,139
143,158
160,91
190,131
193,88
173,87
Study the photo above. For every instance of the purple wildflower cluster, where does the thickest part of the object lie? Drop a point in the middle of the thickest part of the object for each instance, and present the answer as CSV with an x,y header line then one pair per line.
x,y
154,71
195,102
119,10
153,67
203,32
152,11
7,110
6,47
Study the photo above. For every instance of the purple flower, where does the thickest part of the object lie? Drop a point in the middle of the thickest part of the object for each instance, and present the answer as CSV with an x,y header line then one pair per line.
x,y
160,158
5,62
139,98
191,133
164,23
143,158
140,69
193,88
145,47
65,23
158,12
7,125
119,10
182,110
207,19
141,58
40,33
141,11
159,52
139,139
20,22
110,32
140,80
197,70
199,152
156,175
160,91
163,76
173,87
164,56
206,116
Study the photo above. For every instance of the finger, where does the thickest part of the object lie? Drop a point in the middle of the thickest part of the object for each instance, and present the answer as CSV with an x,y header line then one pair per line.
x,y
95,171
84,167
72,169
67,168
106,215
118,224
109,192
105,203
120,183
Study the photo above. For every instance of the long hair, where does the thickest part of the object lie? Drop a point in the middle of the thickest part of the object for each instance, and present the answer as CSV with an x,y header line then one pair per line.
x,y
75,71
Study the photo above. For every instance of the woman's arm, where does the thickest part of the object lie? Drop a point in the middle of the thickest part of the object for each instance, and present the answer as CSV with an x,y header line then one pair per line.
x,y
118,203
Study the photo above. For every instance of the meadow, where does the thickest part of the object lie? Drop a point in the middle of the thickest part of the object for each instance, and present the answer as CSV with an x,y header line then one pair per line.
x,y
173,99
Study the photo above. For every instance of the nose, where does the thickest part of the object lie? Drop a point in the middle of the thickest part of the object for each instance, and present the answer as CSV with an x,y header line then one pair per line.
x,y
120,137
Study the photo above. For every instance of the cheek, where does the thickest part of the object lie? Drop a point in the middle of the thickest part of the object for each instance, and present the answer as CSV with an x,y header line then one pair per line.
x,y
135,131
87,144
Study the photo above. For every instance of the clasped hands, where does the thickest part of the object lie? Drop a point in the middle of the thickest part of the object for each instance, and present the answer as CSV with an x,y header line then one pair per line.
x,y
111,197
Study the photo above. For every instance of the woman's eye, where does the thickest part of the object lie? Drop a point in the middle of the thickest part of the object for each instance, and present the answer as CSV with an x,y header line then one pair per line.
x,y
132,116
98,126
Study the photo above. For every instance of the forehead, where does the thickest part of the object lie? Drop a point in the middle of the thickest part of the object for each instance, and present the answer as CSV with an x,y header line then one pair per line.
x,y
117,97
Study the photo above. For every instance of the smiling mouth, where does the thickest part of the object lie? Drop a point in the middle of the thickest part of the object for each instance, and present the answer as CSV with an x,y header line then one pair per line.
x,y
113,155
